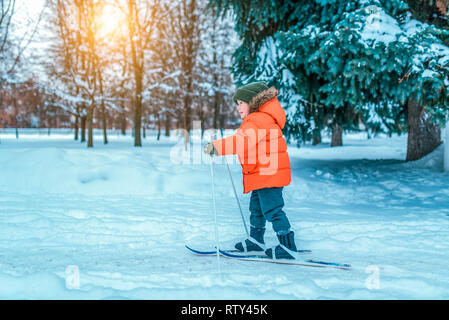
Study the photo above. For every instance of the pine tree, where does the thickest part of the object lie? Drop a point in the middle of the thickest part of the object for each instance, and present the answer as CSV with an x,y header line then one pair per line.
x,y
339,64
427,82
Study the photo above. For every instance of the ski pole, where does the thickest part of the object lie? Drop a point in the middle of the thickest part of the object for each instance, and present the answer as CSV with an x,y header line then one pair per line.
x,y
237,198
215,213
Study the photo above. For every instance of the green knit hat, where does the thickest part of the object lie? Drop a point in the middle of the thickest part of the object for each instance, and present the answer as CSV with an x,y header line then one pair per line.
x,y
249,91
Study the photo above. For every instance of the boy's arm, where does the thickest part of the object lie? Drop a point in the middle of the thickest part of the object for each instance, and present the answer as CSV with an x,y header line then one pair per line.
x,y
226,146
243,143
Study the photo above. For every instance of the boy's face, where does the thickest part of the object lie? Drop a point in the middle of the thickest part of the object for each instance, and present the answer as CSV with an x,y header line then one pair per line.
x,y
243,108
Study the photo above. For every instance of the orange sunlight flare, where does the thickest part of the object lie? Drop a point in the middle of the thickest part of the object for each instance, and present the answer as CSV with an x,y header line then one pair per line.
x,y
111,23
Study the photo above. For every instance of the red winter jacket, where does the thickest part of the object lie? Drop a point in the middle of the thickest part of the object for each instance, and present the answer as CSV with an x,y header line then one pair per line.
x,y
260,145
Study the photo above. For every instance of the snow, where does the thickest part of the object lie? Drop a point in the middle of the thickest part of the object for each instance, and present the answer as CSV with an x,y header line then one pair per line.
x,y
428,74
111,222
380,26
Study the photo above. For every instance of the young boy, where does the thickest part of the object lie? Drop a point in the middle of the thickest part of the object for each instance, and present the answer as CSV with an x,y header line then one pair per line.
x,y
262,152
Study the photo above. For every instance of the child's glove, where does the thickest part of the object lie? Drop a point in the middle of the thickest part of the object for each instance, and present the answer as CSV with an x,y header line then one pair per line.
x,y
210,149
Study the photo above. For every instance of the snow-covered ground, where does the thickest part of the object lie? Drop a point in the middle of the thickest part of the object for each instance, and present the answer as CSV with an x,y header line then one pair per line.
x,y
111,222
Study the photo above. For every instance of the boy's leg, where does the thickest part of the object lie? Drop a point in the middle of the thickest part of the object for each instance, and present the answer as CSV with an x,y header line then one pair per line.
x,y
256,218
271,204
257,228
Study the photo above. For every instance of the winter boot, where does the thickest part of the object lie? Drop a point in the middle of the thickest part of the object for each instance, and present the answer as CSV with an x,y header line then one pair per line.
x,y
255,241
281,251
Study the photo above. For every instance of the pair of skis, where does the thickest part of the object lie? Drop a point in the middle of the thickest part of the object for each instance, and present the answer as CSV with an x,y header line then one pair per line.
x,y
258,257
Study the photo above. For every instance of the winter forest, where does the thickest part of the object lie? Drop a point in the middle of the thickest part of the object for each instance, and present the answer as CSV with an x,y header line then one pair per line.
x,y
105,106
117,64
373,66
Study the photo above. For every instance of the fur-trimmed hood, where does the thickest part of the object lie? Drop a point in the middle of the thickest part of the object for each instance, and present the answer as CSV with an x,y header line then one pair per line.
x,y
261,98
259,104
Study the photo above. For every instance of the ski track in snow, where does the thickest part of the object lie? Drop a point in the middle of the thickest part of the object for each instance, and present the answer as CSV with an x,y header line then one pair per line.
x,y
123,215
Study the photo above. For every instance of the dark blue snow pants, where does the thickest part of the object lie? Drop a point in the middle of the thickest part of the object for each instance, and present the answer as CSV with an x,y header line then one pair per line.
x,y
266,205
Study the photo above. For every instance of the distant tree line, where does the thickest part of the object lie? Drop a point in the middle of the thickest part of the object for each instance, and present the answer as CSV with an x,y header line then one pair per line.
x,y
127,64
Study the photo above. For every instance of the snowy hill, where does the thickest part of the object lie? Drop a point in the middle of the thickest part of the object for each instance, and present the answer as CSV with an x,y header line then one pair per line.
x,y
112,222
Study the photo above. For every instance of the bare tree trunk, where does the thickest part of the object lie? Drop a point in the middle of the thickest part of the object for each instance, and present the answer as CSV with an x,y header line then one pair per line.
x,y
76,127
203,128
138,116
16,112
158,126
187,126
186,112
167,124
83,129
137,63
202,118
423,135
103,114
56,118
222,123
216,110
337,135
103,109
90,124
123,123
316,137
17,129
216,84
188,62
